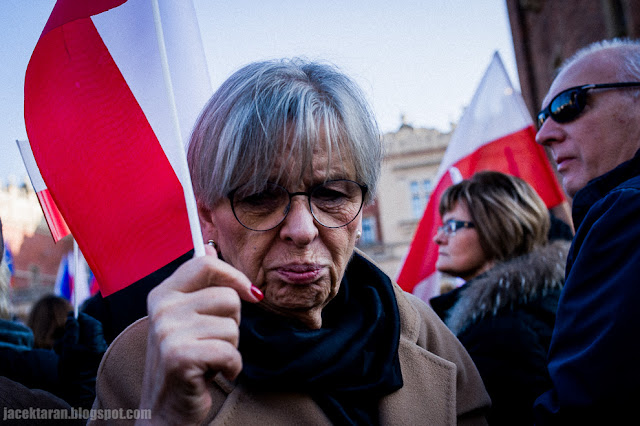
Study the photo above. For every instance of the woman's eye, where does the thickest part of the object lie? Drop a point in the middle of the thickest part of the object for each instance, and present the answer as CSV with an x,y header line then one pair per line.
x,y
328,194
260,198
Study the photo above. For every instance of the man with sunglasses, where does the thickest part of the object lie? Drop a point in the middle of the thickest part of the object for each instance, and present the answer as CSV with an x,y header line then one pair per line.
x,y
591,123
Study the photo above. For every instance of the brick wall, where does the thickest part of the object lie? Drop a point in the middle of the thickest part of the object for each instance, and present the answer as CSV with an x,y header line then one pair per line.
x,y
545,32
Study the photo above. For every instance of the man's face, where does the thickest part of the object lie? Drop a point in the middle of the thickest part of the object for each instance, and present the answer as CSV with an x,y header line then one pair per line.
x,y
604,135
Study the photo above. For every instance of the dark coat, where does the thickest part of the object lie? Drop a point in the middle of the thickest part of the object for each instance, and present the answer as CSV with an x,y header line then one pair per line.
x,y
69,372
593,358
34,368
505,318
22,400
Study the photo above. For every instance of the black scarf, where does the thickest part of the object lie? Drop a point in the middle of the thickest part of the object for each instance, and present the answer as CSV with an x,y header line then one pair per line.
x,y
347,365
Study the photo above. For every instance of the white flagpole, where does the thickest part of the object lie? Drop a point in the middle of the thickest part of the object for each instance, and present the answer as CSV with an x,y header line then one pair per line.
x,y
76,275
178,145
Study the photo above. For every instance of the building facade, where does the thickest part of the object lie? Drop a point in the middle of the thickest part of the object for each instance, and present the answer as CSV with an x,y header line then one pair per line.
x,y
409,168
35,257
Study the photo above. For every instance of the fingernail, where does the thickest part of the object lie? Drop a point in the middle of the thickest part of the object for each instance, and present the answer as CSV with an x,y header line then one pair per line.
x,y
256,292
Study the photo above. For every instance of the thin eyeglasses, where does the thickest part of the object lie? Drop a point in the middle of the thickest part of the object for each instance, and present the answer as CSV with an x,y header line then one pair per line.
x,y
333,204
450,227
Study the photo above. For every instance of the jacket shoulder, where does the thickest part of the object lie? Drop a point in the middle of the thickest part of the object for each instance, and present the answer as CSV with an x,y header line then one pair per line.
x,y
121,372
119,378
435,362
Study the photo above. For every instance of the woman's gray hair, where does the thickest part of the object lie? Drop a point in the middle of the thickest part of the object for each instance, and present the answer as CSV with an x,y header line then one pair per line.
x,y
628,51
274,113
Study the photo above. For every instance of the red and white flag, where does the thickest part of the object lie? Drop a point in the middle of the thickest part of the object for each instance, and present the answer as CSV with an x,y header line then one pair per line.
x,y
494,133
112,91
52,215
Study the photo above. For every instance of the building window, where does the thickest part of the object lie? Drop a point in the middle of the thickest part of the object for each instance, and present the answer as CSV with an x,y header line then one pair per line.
x,y
427,187
419,193
416,201
369,234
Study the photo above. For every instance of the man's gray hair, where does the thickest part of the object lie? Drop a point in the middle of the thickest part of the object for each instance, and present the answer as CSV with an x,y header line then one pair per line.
x,y
629,53
275,113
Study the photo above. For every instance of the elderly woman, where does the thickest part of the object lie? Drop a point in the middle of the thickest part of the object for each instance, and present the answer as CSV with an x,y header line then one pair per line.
x,y
285,323
495,236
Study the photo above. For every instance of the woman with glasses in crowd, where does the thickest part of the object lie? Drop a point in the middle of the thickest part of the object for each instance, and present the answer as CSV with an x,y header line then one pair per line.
x,y
495,237
284,322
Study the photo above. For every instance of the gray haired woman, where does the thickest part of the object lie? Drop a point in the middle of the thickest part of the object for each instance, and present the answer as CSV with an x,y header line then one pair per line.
x,y
284,321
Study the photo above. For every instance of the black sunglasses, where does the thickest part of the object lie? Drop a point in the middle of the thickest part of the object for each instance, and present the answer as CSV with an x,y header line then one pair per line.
x,y
567,105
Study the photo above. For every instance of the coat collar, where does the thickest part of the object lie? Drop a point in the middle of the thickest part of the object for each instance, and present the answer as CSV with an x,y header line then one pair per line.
x,y
440,381
415,403
602,185
516,281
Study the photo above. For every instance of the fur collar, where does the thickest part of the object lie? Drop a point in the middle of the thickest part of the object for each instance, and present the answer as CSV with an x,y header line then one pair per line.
x,y
516,281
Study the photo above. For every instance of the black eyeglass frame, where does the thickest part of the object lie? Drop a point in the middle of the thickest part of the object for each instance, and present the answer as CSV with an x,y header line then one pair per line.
x,y
457,225
363,188
579,101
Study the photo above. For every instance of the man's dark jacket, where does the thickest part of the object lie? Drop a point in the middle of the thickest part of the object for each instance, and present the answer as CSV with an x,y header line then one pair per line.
x,y
594,358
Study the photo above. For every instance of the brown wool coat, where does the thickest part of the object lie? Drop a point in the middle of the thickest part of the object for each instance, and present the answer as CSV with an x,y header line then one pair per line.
x,y
441,384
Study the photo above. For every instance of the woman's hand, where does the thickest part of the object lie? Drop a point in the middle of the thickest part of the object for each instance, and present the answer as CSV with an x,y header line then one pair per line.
x,y
194,317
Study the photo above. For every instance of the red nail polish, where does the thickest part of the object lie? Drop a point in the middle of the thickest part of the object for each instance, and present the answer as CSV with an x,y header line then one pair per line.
x,y
256,292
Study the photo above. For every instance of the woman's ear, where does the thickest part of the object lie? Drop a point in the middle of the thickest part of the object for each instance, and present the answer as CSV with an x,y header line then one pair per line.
x,y
209,230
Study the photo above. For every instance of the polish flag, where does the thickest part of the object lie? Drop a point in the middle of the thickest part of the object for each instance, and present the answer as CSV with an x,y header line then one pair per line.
x,y
495,132
52,215
112,91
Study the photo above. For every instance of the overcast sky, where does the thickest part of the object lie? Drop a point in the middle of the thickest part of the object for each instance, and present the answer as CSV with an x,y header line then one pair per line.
x,y
419,58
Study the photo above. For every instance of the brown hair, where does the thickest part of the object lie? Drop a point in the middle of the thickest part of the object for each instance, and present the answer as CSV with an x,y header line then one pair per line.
x,y
47,319
510,217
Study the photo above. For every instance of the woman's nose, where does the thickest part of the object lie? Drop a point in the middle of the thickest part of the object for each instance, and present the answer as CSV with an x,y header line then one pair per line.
x,y
299,225
440,237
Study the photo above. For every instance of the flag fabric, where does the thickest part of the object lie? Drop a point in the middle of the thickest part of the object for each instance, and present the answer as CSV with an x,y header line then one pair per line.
x,y
73,279
112,90
8,260
80,279
57,226
495,132
63,286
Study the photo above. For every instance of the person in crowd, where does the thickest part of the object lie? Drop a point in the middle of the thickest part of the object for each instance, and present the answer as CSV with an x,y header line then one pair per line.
x,y
591,124
17,337
284,321
68,372
495,237
37,368
47,319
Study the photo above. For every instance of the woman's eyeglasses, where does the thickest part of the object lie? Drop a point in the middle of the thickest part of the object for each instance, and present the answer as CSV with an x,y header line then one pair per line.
x,y
333,204
567,105
450,227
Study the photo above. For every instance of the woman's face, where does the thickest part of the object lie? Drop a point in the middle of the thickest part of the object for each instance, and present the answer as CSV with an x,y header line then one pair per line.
x,y
299,264
460,254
